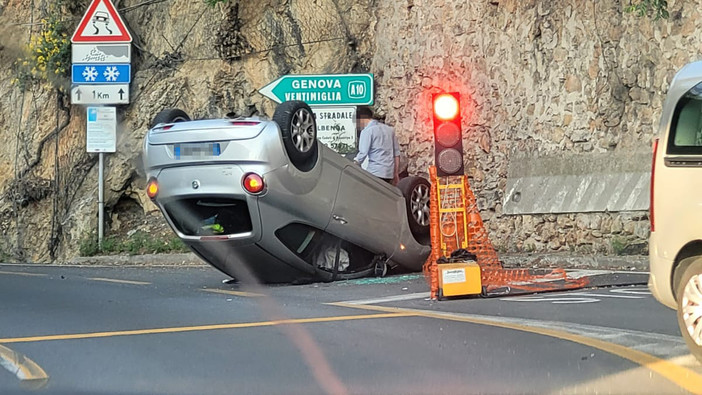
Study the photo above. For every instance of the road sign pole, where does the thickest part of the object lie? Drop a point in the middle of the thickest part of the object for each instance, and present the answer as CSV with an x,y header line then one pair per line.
x,y
101,199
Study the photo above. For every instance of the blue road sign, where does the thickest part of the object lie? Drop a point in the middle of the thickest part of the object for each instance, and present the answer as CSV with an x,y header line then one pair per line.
x,y
101,73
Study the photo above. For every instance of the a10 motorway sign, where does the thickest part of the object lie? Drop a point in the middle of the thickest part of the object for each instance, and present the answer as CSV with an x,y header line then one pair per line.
x,y
325,89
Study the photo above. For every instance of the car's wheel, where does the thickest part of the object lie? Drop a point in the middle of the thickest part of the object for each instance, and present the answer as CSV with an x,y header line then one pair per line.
x,y
170,115
299,131
689,296
416,192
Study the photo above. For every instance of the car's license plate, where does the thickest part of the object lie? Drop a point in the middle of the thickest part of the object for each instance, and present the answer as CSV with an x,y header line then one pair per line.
x,y
196,150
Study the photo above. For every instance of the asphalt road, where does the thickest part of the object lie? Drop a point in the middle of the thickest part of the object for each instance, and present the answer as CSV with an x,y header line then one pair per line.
x,y
113,330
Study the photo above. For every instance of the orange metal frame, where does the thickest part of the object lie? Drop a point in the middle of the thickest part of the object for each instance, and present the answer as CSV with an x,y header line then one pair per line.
x,y
455,223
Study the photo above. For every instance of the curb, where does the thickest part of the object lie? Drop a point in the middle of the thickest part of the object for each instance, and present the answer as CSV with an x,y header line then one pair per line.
x,y
180,260
566,261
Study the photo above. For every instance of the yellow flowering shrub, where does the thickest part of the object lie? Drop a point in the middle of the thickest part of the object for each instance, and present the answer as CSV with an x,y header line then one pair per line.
x,y
48,55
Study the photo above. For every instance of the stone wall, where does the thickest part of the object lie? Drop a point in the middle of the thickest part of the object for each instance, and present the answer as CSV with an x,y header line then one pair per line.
x,y
540,77
535,77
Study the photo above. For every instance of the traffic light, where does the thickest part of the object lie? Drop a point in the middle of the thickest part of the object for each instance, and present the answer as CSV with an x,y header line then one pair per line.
x,y
448,142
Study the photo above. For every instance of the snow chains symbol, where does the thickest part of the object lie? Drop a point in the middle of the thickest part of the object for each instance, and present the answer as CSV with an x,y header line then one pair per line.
x,y
111,73
90,73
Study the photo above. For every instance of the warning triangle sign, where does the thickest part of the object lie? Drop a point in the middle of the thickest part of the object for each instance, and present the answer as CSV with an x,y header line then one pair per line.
x,y
101,23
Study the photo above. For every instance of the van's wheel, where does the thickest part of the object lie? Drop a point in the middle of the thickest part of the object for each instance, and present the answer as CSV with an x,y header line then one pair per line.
x,y
299,131
689,297
170,115
416,191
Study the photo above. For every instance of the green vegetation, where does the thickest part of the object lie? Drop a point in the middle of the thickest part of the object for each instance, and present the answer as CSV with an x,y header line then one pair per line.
x,y
136,244
48,55
619,245
655,9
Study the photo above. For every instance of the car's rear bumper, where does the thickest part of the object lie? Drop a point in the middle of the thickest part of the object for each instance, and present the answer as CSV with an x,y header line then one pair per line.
x,y
660,275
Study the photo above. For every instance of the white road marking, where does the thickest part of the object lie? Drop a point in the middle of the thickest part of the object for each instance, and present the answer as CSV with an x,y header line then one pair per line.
x,y
606,295
554,300
396,298
577,273
634,291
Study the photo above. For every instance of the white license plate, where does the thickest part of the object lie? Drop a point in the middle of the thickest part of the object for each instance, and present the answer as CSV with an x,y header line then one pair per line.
x,y
196,150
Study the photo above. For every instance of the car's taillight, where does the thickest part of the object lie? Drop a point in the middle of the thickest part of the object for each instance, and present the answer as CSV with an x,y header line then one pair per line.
x,y
653,177
167,127
253,183
152,188
245,123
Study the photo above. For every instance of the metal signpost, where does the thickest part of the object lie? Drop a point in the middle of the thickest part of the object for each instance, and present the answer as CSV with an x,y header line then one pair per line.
x,y
101,73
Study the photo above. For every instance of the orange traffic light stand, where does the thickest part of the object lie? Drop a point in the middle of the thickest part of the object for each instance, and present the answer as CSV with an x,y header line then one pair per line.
x,y
459,279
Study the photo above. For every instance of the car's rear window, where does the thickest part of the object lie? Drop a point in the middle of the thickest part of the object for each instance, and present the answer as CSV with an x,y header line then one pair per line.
x,y
686,127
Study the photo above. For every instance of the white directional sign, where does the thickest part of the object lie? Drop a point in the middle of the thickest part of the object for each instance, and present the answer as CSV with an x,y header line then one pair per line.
x,y
336,127
101,53
102,129
100,94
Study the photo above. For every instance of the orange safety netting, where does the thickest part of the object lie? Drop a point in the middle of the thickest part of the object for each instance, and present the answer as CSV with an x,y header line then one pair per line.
x,y
455,223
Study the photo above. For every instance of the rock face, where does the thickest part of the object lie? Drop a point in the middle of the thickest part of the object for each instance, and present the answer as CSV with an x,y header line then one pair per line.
x,y
535,76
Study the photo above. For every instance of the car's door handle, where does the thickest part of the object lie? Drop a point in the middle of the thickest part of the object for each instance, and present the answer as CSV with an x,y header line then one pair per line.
x,y
340,219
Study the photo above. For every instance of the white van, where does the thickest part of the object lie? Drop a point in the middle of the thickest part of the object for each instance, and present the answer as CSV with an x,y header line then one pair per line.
x,y
675,250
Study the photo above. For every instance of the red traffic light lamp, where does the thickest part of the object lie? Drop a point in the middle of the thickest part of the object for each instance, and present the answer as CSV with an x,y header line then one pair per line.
x,y
448,142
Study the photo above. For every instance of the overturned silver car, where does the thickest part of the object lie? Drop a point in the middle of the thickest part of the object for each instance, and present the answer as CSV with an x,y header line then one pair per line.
x,y
264,197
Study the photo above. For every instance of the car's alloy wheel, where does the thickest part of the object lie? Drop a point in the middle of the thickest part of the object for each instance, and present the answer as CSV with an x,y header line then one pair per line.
x,y
419,204
299,132
691,308
416,190
303,130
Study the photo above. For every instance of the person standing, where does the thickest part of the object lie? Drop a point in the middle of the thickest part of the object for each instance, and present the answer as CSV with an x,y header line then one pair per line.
x,y
379,144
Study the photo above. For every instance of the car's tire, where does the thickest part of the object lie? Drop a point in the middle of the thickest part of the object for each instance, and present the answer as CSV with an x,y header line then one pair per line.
x,y
298,129
170,115
689,297
416,192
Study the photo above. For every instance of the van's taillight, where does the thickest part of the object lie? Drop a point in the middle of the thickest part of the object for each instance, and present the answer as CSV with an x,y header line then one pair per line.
x,y
651,217
245,123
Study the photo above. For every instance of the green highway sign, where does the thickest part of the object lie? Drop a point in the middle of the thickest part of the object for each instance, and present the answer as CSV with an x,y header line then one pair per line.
x,y
324,89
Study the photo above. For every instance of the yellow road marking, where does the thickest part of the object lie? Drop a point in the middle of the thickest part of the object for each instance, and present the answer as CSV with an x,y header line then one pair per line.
x,y
235,293
200,328
114,280
680,375
32,375
24,274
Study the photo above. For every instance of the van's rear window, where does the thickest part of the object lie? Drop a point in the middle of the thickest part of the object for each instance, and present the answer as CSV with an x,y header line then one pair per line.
x,y
686,127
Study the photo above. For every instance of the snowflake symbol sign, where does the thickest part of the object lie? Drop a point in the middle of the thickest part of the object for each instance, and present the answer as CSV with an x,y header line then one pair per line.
x,y
111,73
90,73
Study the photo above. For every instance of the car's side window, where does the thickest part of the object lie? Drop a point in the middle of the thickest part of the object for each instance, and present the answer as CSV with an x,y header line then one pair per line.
x,y
686,126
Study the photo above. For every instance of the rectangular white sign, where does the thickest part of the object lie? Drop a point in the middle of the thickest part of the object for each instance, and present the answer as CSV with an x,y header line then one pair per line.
x,y
453,276
102,129
101,53
100,94
336,127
